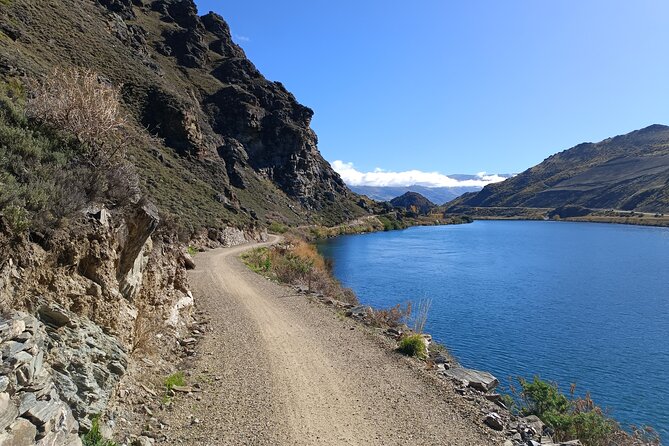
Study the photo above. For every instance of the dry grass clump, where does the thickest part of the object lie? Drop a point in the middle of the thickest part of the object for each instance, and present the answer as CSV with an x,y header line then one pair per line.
x,y
297,262
81,104
147,326
420,315
391,317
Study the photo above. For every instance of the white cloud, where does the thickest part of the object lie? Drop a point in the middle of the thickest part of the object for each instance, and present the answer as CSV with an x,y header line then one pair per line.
x,y
380,177
241,38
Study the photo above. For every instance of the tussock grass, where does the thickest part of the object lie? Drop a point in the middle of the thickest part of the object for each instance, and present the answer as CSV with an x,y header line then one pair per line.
x,y
420,315
177,379
413,345
94,437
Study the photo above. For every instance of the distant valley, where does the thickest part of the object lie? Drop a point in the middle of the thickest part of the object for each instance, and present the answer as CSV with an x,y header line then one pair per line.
x,y
438,195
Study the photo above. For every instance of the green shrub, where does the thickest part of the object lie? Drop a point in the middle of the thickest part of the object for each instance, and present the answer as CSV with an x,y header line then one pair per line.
x,y
192,250
277,228
94,438
17,218
175,380
541,397
258,260
573,417
413,345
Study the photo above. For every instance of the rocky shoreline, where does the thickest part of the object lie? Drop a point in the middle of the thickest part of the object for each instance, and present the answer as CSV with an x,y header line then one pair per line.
x,y
475,386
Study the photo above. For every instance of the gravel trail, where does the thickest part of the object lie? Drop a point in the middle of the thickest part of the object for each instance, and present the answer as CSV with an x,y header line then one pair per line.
x,y
278,369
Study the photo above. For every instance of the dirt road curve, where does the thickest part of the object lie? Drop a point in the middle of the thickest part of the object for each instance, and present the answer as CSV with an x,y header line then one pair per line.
x,y
281,370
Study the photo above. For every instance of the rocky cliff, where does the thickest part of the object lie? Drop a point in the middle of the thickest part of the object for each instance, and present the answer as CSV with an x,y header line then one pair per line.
x,y
627,172
93,251
232,147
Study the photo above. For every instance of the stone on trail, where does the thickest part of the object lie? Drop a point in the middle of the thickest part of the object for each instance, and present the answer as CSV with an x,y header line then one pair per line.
x,y
142,441
494,420
533,422
359,311
189,263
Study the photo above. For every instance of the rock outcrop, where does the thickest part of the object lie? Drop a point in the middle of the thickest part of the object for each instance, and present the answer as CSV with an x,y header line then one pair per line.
x,y
32,411
87,363
413,202
216,147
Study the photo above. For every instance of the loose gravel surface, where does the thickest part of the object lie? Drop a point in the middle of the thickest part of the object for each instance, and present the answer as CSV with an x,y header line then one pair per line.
x,y
279,369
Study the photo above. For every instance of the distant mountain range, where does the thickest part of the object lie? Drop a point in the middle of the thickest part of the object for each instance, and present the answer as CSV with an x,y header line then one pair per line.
x,y
438,195
628,172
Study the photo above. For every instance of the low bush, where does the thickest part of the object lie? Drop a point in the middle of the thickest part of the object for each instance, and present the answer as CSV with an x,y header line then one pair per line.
x,y
413,345
80,103
573,417
277,228
391,317
258,260
51,169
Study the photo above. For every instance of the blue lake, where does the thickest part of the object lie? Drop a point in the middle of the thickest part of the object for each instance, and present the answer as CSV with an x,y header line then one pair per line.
x,y
579,303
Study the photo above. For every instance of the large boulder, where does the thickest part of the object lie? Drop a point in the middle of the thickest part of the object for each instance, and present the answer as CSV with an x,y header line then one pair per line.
x,y
476,379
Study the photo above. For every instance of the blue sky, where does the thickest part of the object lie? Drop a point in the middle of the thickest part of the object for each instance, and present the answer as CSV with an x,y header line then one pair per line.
x,y
461,87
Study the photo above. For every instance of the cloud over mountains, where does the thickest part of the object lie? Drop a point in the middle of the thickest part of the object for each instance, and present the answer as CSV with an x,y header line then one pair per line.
x,y
385,178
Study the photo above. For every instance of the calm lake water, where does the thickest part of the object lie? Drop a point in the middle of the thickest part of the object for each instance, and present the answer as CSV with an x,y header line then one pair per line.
x,y
572,302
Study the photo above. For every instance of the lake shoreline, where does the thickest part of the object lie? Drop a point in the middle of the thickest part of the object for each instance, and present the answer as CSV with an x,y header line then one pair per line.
x,y
368,302
664,223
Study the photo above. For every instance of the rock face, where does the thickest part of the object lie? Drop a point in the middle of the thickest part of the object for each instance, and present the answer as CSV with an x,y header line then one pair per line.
x,y
134,238
189,83
87,364
32,411
628,172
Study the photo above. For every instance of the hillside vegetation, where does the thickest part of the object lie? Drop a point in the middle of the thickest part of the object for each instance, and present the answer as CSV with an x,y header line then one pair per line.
x,y
223,145
628,172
